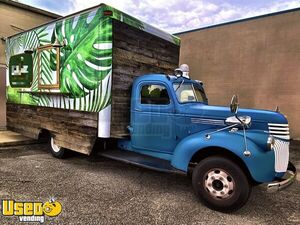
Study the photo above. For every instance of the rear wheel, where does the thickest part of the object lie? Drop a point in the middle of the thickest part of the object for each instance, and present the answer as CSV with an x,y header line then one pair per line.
x,y
221,184
56,150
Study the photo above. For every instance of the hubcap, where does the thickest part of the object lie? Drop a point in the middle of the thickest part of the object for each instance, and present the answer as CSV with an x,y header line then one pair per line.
x,y
55,147
219,184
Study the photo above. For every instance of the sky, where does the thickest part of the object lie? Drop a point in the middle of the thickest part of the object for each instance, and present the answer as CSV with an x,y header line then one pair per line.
x,y
175,16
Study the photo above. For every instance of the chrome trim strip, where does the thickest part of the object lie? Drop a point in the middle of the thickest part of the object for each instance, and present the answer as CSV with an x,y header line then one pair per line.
x,y
279,128
208,121
284,137
278,124
279,132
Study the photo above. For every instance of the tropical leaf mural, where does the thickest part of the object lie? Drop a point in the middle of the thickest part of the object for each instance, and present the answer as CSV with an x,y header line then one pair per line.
x,y
85,60
29,41
86,57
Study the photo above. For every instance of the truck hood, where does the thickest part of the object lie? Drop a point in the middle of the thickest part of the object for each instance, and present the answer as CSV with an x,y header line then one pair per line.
x,y
221,112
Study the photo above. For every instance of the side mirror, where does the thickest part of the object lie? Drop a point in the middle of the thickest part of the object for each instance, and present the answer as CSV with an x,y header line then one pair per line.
x,y
234,104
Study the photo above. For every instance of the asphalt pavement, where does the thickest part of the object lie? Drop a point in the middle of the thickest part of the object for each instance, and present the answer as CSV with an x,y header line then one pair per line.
x,y
95,190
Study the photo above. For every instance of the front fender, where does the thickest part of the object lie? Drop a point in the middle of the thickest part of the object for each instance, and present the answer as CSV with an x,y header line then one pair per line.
x,y
260,164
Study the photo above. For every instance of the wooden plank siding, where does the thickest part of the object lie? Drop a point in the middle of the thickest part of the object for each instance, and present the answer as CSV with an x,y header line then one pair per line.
x,y
135,53
74,130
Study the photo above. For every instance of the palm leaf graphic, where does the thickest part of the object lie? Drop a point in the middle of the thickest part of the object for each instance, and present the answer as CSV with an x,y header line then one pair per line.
x,y
30,41
85,60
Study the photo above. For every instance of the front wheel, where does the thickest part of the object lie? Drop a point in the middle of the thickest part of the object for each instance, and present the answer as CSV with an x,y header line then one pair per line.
x,y
57,151
221,184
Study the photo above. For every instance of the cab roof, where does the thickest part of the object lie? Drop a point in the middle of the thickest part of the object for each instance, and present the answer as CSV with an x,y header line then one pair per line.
x,y
162,77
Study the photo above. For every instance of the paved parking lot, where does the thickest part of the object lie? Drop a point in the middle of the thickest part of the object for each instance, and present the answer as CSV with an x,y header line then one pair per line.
x,y
95,190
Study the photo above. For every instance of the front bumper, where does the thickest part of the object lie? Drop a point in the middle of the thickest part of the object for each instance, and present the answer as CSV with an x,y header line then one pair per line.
x,y
285,181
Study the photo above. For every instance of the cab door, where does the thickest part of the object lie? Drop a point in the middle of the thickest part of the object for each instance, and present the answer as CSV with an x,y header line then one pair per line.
x,y
152,116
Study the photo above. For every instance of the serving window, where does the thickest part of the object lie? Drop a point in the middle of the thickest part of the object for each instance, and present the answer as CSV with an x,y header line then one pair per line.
x,y
48,67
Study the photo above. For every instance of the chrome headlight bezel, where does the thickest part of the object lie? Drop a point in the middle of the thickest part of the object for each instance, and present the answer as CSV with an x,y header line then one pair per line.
x,y
271,142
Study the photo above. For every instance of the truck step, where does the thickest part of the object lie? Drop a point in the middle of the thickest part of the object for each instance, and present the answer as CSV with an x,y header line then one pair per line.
x,y
140,160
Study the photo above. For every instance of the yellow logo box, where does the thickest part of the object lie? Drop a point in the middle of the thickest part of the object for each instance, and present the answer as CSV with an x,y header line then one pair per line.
x,y
12,208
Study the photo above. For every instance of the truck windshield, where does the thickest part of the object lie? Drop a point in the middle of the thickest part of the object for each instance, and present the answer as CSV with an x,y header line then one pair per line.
x,y
188,92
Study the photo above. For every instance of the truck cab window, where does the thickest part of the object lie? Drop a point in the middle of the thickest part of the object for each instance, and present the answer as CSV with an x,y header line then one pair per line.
x,y
188,92
154,94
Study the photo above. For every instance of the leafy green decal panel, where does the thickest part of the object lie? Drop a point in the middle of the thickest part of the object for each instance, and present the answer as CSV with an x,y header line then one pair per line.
x,y
18,45
21,70
85,63
86,57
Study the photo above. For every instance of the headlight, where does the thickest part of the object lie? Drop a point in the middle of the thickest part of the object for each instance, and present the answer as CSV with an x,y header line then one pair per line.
x,y
271,142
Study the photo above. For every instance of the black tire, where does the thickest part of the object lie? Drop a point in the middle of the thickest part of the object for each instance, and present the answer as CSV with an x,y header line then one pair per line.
x,y
217,193
57,151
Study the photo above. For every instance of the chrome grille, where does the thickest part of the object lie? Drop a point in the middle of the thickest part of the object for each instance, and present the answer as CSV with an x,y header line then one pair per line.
x,y
278,130
281,151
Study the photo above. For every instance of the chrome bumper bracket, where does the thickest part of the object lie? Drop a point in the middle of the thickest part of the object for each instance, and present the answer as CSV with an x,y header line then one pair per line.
x,y
288,179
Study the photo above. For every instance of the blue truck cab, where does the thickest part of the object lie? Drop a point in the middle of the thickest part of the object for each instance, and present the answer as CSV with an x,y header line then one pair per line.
x,y
225,149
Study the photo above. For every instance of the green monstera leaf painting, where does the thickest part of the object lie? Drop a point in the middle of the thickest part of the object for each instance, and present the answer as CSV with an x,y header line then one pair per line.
x,y
85,59
86,56
28,41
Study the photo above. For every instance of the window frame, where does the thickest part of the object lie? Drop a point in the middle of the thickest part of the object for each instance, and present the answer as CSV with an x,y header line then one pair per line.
x,y
193,86
154,83
49,86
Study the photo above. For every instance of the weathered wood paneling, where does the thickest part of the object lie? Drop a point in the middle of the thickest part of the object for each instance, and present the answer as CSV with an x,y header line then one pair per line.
x,y
135,53
72,129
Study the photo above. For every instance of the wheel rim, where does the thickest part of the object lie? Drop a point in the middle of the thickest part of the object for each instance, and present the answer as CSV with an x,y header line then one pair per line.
x,y
219,183
55,147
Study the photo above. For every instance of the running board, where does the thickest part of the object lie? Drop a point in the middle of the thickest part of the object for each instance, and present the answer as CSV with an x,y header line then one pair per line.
x,y
140,160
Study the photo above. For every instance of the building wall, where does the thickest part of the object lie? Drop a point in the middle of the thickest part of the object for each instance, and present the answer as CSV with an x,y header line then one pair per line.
x,y
257,59
13,20
2,98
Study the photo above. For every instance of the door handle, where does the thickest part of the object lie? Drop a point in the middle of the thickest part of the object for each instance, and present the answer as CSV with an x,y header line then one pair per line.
x,y
138,110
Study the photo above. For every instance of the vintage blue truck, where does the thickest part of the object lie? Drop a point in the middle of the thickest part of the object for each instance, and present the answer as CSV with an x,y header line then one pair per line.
x,y
226,150
71,79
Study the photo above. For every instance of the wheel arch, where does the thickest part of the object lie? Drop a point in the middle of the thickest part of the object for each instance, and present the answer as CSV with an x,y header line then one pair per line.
x,y
223,152
44,135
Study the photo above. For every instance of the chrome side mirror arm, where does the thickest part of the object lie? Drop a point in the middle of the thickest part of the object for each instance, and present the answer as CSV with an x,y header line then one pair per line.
x,y
208,135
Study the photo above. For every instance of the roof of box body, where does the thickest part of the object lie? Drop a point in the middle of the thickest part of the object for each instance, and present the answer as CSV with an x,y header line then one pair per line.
x,y
30,8
123,17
